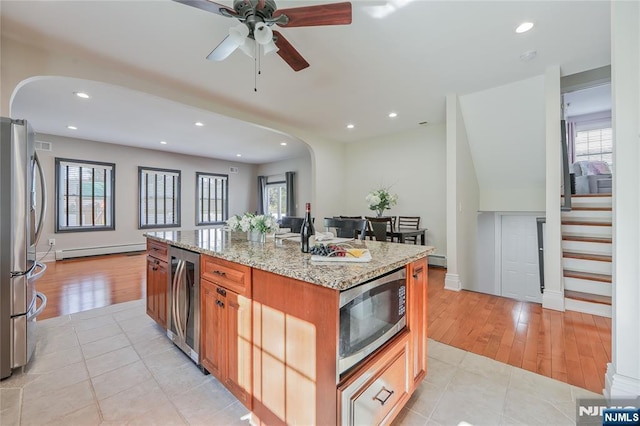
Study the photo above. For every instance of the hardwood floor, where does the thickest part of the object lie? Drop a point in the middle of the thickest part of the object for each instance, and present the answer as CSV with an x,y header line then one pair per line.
x,y
567,346
76,285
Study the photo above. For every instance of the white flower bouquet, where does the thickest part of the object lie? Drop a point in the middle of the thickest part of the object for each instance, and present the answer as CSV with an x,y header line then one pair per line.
x,y
249,222
381,200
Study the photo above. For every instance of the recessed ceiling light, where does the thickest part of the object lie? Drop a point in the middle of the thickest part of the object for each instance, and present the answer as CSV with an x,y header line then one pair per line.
x,y
393,114
238,155
524,27
82,95
350,126
199,124
283,143
72,128
163,142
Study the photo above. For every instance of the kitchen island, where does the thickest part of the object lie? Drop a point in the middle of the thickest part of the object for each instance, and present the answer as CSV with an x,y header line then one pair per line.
x,y
270,321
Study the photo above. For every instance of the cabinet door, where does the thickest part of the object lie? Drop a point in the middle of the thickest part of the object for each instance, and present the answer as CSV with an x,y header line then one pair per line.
x,y
213,325
157,276
418,319
238,339
161,291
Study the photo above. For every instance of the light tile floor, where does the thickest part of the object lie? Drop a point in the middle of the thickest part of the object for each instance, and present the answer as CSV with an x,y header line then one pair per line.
x,y
114,366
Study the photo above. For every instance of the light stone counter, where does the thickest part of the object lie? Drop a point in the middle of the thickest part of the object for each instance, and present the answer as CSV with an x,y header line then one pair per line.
x,y
284,257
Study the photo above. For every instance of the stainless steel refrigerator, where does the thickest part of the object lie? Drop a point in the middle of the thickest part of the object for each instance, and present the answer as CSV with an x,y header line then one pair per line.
x,y
22,213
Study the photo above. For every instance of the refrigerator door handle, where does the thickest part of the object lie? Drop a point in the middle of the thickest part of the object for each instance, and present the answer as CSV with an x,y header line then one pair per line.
x,y
43,305
43,205
38,274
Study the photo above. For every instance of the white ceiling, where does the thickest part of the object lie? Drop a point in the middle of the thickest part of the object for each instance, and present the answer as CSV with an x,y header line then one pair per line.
x,y
406,61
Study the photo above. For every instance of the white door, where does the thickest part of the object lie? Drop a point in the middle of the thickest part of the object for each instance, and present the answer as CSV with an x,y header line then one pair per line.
x,y
520,276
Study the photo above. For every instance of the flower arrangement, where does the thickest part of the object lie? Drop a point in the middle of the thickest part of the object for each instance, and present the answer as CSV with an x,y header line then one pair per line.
x,y
249,222
381,200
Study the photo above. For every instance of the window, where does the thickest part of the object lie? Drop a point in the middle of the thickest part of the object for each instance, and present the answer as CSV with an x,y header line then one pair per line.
x,y
277,199
212,200
594,144
85,194
159,197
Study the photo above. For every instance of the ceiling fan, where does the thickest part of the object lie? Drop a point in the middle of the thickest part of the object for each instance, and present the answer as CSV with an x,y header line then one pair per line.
x,y
258,16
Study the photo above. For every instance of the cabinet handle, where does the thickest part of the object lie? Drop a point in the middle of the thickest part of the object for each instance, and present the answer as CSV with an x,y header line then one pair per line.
x,y
220,303
382,401
222,292
222,274
155,268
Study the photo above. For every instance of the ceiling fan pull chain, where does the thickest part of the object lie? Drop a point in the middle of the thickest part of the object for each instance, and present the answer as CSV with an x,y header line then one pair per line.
x,y
255,68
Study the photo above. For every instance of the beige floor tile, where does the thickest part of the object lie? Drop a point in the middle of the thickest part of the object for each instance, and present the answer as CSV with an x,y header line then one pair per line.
x,y
88,336
120,379
203,403
10,403
153,346
445,353
168,360
145,333
18,379
180,380
111,360
132,313
38,410
61,321
54,342
487,367
165,415
525,408
87,416
51,382
539,386
102,346
93,323
407,417
144,397
136,322
425,398
54,361
91,313
234,415
440,373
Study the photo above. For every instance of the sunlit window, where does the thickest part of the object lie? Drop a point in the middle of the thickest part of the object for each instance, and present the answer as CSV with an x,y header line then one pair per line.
x,y
212,198
159,197
277,199
85,193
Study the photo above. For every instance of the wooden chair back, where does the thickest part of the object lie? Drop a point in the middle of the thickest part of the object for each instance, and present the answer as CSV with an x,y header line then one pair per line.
x,y
409,222
388,222
347,228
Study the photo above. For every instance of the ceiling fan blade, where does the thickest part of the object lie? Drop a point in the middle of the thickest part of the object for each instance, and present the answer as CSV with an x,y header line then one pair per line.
x,y
323,14
223,50
289,53
210,6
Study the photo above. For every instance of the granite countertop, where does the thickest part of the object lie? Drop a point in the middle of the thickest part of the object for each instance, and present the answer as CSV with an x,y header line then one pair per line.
x,y
284,257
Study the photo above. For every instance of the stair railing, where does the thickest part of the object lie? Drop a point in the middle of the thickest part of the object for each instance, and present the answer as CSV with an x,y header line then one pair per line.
x,y
566,206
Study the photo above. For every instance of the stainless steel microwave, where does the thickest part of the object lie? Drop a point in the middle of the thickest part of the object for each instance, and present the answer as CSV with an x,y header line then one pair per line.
x,y
371,314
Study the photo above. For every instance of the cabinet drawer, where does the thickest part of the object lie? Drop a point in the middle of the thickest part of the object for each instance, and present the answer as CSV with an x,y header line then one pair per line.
x,y
157,249
231,275
380,391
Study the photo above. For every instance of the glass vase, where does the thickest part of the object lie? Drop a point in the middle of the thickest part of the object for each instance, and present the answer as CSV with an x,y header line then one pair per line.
x,y
256,236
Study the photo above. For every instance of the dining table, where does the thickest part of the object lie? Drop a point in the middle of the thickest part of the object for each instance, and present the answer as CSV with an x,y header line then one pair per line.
x,y
400,234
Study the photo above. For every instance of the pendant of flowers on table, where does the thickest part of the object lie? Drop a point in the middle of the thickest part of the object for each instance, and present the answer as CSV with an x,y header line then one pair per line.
x,y
380,200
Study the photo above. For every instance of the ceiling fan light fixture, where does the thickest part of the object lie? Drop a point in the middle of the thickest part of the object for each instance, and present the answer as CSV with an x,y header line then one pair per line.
x,y
239,34
270,47
249,49
262,33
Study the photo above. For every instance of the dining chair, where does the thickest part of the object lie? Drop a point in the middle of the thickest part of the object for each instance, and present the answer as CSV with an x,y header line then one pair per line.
x,y
388,222
378,230
349,217
412,222
347,228
295,223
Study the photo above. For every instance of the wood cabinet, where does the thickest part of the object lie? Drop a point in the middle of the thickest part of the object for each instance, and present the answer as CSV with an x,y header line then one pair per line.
x,y
380,389
157,281
225,320
417,282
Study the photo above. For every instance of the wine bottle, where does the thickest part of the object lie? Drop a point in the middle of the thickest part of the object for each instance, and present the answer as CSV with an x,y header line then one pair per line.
x,y
307,231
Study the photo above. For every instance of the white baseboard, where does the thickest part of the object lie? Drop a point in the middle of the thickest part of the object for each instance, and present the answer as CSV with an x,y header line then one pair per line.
x,y
553,300
95,251
452,282
619,386
437,260
46,256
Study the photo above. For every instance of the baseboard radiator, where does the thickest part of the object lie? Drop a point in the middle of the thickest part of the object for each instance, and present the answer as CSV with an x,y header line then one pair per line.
x,y
96,251
437,260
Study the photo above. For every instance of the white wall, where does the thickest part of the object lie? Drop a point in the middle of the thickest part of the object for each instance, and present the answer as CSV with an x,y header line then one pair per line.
x,y
411,163
506,130
242,188
623,373
462,201
487,278
302,178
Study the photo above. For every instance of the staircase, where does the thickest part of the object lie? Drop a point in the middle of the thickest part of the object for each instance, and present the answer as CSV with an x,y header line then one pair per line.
x,y
586,254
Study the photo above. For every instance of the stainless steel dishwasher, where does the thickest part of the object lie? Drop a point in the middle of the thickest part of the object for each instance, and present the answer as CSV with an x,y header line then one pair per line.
x,y
183,317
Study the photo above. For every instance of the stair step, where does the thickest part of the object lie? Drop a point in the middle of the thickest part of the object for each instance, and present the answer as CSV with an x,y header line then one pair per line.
x,y
587,297
588,195
587,276
587,256
591,200
587,265
586,239
599,309
592,209
585,223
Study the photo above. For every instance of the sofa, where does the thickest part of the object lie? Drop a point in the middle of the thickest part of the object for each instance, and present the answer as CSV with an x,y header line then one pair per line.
x,y
592,177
